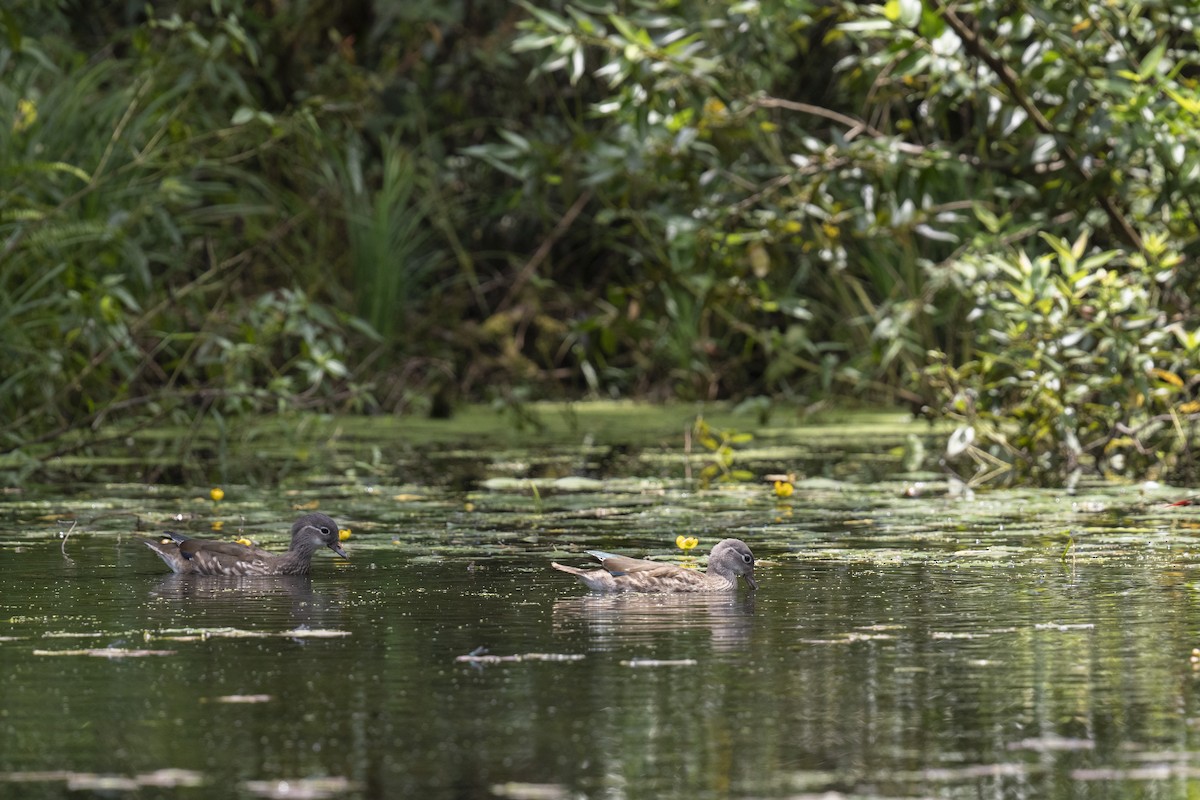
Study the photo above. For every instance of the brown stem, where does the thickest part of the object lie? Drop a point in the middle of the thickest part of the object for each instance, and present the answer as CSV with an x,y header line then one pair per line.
x,y
539,255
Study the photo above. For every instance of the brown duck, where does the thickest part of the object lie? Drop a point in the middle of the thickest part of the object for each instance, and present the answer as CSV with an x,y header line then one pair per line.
x,y
729,559
188,556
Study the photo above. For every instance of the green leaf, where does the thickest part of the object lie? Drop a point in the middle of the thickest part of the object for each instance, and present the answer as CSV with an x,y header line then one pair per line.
x,y
1188,104
905,12
243,115
532,41
11,28
518,141
624,27
585,22
1099,260
1150,62
1062,247
989,220
70,169
552,21
866,26
932,25
577,65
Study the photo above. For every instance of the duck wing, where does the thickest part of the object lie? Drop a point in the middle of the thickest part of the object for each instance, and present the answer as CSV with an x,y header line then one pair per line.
x,y
191,548
624,565
209,557
661,578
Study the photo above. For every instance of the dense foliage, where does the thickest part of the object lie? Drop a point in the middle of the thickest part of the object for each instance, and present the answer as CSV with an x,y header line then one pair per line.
x,y
984,209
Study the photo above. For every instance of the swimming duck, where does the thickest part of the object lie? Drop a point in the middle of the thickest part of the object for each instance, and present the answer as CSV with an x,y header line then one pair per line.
x,y
729,559
188,556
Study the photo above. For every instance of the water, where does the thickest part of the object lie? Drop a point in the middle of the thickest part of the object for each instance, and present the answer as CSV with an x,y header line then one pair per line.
x,y
1027,644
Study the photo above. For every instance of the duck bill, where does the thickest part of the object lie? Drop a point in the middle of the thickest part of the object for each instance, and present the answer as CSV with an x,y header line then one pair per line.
x,y
337,548
750,580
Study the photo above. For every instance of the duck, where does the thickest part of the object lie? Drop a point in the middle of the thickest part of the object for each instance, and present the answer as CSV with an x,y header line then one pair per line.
x,y
188,556
729,559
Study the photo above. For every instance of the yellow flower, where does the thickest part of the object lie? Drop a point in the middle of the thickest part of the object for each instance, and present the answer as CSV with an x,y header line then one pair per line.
x,y
217,524
343,534
686,542
243,540
714,106
784,489
217,493
26,115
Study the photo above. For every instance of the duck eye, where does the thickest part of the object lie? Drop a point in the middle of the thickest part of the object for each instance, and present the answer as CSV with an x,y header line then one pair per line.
x,y
749,559
324,531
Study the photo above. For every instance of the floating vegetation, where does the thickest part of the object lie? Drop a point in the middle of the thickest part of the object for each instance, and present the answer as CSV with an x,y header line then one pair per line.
x,y
530,791
300,788
243,698
1157,772
314,633
486,658
1046,744
960,774
200,634
1064,627
105,652
99,782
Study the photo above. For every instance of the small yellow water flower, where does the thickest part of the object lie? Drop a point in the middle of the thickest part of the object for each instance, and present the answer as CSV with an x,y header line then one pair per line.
x,y
243,540
217,493
686,542
217,524
343,534
784,489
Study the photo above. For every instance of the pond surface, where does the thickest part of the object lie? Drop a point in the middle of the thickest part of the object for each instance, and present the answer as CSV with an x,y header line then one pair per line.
x,y
1020,644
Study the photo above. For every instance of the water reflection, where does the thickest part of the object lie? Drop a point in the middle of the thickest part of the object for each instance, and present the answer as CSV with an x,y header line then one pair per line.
x,y
270,595
899,649
623,619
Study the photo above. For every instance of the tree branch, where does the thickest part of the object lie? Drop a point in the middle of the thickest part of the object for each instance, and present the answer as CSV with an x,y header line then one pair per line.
x,y
1008,77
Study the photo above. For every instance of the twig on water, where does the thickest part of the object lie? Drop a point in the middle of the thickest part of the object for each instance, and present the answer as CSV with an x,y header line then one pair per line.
x,y
64,536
